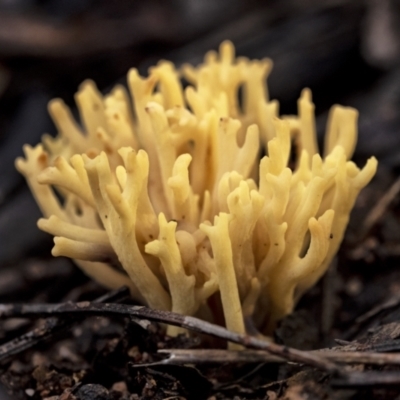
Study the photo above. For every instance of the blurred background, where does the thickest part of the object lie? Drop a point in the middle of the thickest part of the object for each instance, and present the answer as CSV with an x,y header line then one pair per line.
x,y
346,51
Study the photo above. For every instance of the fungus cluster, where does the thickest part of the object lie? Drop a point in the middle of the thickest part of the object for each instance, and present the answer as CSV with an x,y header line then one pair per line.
x,y
186,195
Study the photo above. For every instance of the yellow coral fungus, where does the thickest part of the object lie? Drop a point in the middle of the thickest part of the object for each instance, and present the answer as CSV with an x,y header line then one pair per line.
x,y
165,191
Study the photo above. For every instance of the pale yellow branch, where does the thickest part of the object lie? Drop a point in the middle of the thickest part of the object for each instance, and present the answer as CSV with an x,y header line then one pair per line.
x,y
222,250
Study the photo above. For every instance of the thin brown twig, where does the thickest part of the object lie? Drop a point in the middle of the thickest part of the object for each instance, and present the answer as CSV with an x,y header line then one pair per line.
x,y
328,299
190,323
380,208
392,302
50,327
197,356
368,379
41,36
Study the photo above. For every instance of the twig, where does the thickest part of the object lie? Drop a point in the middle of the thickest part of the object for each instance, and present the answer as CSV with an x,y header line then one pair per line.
x,y
216,356
392,302
50,327
381,206
328,299
187,356
370,378
368,317
41,36
390,345
190,323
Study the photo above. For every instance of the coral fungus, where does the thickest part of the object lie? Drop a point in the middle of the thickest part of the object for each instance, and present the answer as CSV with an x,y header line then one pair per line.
x,y
167,191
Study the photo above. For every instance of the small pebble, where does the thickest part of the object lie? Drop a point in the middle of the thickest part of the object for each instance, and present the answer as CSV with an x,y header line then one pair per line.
x,y
92,391
119,387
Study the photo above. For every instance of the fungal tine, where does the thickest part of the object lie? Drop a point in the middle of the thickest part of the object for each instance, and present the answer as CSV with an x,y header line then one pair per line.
x,y
218,235
186,203
85,251
119,221
36,161
72,178
181,286
67,126
58,227
308,136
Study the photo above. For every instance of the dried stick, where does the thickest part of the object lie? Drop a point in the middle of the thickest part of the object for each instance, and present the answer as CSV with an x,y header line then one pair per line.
x,y
380,208
40,36
369,378
50,327
187,356
328,296
392,302
190,323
